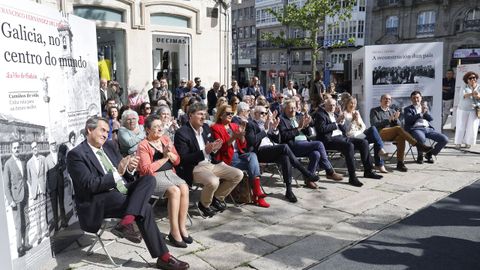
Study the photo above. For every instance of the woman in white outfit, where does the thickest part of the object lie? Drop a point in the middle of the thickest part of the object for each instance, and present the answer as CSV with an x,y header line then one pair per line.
x,y
467,120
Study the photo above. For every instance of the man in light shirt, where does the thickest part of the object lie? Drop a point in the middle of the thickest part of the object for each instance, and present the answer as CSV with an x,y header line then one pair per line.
x,y
289,91
294,131
330,130
194,144
417,122
36,177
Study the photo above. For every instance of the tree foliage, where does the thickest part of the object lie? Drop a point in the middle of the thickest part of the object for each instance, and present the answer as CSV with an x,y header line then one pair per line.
x,y
311,19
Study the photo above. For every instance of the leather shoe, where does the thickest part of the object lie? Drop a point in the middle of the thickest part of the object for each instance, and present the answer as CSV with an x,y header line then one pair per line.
x,y
218,205
175,243
401,166
127,232
206,211
312,178
291,197
420,159
429,158
423,148
187,239
372,175
172,264
355,182
335,176
21,252
311,185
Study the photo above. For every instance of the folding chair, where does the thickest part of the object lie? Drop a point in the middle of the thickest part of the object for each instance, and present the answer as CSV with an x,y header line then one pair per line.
x,y
103,245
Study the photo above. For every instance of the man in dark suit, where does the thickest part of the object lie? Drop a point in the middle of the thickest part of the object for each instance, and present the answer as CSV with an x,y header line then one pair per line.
x,y
16,192
254,89
331,132
262,137
417,122
106,188
294,131
36,177
56,186
193,142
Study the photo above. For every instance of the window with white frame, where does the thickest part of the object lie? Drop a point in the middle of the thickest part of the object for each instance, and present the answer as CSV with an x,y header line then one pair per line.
x,y
426,22
361,5
391,25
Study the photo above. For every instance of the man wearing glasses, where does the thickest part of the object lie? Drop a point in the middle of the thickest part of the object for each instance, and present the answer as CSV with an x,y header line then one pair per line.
x,y
262,137
295,131
386,120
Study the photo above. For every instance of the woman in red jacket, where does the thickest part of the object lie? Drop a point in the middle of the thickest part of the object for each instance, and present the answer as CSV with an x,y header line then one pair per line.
x,y
233,151
157,157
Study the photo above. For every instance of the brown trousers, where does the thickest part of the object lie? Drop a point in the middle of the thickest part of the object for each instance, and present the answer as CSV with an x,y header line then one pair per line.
x,y
398,135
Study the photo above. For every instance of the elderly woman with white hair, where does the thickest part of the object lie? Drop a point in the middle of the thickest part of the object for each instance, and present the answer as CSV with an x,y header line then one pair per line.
x,y
243,113
130,133
170,125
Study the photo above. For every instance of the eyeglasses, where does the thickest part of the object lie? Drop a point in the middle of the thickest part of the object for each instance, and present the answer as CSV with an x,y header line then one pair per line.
x,y
472,78
263,113
236,103
228,113
148,108
280,97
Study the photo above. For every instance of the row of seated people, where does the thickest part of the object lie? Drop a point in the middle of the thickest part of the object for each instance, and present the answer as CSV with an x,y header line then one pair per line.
x,y
213,156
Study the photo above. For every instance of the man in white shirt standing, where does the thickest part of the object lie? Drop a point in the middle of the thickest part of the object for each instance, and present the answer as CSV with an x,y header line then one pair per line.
x,y
36,177
289,91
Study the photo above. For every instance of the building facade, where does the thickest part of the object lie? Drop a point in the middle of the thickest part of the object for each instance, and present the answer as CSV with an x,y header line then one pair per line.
x,y
244,36
455,23
278,64
148,39
339,32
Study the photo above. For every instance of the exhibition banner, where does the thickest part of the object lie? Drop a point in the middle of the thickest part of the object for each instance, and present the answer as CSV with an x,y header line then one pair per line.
x,y
49,79
397,70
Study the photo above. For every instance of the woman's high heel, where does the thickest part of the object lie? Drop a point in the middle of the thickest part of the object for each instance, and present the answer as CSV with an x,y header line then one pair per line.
x,y
175,243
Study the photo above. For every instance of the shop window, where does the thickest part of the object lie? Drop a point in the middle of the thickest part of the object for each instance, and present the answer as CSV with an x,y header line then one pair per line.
x,y
99,14
170,20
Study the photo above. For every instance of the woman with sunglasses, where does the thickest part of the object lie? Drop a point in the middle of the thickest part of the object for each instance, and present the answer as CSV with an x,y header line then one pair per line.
x,y
233,151
467,120
145,111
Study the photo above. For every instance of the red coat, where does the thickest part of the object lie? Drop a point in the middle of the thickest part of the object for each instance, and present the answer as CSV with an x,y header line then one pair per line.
x,y
225,153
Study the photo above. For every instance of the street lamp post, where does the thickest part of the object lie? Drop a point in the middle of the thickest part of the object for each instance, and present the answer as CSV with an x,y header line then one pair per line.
x,y
237,69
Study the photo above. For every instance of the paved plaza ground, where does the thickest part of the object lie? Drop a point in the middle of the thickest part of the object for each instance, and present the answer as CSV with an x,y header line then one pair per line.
x,y
404,221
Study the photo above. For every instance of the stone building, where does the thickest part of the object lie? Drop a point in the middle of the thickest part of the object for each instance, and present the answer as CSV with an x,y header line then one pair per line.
x,y
244,36
146,39
455,23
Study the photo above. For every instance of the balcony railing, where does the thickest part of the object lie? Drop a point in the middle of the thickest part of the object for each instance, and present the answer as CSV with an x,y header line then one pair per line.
x,y
391,30
426,28
472,24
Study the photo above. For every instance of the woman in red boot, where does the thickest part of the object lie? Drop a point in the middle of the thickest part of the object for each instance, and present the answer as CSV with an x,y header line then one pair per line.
x,y
233,152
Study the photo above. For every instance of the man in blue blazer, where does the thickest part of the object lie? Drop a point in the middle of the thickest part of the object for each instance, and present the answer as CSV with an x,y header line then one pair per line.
x,y
417,122
105,187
